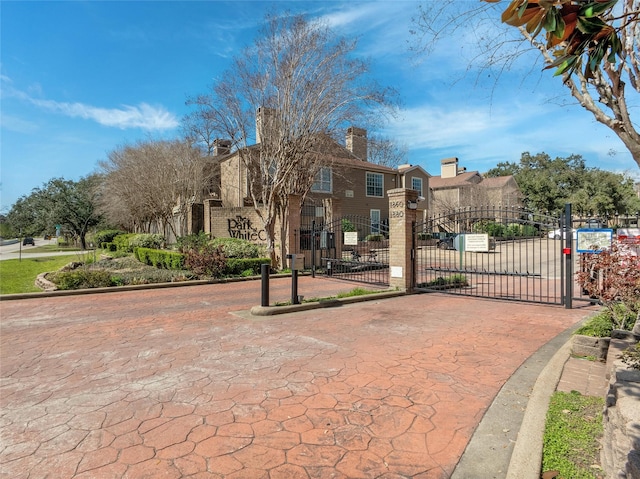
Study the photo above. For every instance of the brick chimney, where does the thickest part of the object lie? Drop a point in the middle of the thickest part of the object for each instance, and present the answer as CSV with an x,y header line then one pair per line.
x,y
356,142
265,118
221,147
449,168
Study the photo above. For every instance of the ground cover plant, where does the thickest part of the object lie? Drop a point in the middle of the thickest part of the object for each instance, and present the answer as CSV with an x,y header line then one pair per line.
x,y
571,437
117,271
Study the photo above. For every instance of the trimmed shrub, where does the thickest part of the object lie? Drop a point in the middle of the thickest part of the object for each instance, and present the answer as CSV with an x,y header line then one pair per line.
x,y
108,246
155,241
106,236
238,248
374,237
122,242
160,258
128,241
245,266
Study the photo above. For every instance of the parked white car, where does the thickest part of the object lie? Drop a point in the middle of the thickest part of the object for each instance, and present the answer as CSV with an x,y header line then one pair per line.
x,y
561,233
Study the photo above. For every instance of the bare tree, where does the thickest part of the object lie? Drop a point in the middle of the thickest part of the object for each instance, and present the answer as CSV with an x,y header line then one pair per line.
x,y
152,183
298,85
199,125
386,152
593,44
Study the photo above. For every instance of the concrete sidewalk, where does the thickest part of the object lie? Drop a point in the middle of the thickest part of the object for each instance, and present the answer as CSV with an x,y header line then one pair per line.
x,y
184,382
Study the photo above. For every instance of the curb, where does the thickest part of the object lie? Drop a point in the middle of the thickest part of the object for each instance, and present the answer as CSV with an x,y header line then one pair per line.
x,y
323,303
526,458
119,289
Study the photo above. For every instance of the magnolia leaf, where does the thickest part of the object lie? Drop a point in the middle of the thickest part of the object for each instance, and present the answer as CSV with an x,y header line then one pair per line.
x,y
523,7
590,26
511,11
550,20
535,24
518,15
595,9
568,65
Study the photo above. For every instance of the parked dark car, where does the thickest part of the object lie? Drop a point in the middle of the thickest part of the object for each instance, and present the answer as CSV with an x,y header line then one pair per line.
x,y
446,243
28,240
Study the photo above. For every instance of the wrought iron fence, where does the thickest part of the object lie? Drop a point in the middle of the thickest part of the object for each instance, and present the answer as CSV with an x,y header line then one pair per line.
x,y
493,252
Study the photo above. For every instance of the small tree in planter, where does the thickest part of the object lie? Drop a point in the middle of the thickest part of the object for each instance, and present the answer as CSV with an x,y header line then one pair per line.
x,y
613,276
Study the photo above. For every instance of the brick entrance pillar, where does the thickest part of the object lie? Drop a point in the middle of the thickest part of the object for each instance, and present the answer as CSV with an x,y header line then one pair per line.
x,y
401,220
293,216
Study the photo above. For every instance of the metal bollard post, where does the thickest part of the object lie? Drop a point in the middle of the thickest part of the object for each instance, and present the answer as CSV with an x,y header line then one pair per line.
x,y
264,271
294,287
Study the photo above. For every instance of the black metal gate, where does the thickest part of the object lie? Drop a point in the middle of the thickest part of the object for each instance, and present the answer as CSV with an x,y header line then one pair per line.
x,y
352,248
503,253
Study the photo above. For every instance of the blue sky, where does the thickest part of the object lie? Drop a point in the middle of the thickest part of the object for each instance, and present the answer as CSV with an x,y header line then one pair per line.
x,y
81,78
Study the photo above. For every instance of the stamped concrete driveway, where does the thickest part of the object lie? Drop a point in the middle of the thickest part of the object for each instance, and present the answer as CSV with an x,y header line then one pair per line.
x,y
174,383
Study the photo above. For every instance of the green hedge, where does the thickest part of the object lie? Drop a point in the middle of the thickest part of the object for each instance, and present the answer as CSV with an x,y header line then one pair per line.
x,y
374,237
122,242
108,246
160,258
129,241
239,266
239,248
106,236
499,230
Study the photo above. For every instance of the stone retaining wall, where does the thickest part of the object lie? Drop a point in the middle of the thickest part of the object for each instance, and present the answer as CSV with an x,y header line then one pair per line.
x,y
620,455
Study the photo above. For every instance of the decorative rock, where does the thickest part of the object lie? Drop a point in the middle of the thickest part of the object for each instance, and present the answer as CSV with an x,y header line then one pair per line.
x,y
43,283
622,334
636,327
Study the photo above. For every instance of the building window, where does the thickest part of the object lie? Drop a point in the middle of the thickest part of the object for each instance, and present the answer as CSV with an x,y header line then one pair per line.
x,y
416,184
322,183
375,184
375,221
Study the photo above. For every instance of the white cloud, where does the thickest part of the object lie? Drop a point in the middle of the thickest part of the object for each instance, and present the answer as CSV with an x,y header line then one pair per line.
x,y
441,127
18,125
144,116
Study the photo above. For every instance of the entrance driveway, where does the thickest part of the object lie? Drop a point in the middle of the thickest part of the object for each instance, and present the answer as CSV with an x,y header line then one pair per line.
x,y
175,383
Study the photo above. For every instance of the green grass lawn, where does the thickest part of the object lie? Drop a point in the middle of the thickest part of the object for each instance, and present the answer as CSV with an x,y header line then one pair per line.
x,y
48,248
19,276
573,427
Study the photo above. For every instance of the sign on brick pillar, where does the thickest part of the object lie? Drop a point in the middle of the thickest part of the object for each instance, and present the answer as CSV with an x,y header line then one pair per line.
x,y
401,219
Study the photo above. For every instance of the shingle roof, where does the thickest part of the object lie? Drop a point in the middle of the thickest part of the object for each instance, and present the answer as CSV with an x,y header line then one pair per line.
x,y
496,181
463,179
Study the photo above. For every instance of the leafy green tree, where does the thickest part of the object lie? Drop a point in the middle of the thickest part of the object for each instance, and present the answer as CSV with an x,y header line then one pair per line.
x,y
71,204
547,184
